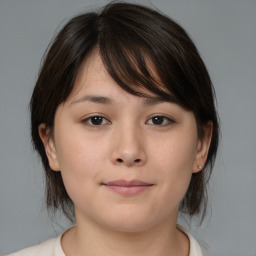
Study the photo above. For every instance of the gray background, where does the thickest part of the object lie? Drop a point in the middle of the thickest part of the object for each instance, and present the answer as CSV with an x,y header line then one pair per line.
x,y
225,33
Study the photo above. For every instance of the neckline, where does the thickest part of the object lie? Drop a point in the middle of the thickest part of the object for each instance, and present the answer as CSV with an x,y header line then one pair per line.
x,y
194,248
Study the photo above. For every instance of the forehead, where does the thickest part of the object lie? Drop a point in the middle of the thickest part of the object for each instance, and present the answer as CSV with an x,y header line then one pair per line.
x,y
93,76
91,69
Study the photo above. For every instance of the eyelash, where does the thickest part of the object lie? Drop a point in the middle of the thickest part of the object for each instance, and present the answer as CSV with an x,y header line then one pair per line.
x,y
166,120
88,121
104,121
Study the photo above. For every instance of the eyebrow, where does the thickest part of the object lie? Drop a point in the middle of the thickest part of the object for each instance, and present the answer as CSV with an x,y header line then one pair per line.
x,y
94,99
154,100
108,101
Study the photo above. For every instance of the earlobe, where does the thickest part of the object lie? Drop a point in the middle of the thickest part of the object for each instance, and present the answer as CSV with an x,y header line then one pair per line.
x,y
49,147
203,148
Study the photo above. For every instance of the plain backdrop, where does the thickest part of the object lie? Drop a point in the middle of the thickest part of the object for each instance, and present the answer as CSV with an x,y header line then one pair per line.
x,y
225,34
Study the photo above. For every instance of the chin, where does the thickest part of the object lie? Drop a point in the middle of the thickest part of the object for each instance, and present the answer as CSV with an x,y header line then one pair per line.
x,y
130,223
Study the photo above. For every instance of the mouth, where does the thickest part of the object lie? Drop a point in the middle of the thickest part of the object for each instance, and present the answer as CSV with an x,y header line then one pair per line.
x,y
127,188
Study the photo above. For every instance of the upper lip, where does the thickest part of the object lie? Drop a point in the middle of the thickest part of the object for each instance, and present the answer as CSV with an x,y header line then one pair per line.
x,y
127,183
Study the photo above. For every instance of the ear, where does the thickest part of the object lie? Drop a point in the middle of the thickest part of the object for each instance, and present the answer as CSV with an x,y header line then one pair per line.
x,y
203,148
49,146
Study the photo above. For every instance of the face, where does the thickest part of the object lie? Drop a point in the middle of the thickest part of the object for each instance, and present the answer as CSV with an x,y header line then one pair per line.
x,y
126,161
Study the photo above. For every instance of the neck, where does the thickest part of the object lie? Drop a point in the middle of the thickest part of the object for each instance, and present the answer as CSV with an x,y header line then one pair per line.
x,y
91,239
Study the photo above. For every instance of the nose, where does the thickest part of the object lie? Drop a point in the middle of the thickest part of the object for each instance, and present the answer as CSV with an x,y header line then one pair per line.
x,y
129,147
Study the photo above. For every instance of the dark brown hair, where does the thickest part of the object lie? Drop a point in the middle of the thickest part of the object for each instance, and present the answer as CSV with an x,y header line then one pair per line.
x,y
128,37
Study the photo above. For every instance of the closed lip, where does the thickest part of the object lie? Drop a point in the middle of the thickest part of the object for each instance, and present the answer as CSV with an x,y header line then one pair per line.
x,y
127,187
127,183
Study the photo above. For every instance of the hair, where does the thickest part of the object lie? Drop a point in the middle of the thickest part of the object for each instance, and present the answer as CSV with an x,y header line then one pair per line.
x,y
128,38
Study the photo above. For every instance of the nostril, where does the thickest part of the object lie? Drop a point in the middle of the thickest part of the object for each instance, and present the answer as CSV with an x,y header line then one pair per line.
x,y
128,161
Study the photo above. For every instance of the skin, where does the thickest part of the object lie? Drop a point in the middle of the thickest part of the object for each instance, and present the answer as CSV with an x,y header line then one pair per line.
x,y
127,144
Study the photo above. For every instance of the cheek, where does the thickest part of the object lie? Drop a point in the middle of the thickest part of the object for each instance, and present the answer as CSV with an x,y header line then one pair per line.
x,y
77,151
79,164
174,160
175,153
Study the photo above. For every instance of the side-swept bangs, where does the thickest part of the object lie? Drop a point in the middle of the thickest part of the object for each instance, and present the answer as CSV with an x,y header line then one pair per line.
x,y
143,51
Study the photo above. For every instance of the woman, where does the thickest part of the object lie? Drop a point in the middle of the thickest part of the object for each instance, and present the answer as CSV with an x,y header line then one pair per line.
x,y
124,120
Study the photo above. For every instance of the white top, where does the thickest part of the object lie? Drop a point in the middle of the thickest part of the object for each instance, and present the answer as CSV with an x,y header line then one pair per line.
x,y
53,247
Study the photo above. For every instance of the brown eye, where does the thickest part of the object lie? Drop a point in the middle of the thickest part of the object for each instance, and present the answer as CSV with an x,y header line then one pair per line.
x,y
96,121
160,121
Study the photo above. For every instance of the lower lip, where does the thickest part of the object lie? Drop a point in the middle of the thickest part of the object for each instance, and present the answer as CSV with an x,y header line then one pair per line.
x,y
128,190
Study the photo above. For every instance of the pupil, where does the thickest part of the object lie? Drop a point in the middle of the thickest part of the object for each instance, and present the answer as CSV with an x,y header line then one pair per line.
x,y
96,120
158,120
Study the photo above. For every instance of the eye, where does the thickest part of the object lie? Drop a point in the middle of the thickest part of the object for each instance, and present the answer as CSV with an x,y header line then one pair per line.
x,y
96,121
160,120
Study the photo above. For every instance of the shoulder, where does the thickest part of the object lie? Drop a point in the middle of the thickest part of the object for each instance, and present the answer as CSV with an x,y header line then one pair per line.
x,y
51,247
195,249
